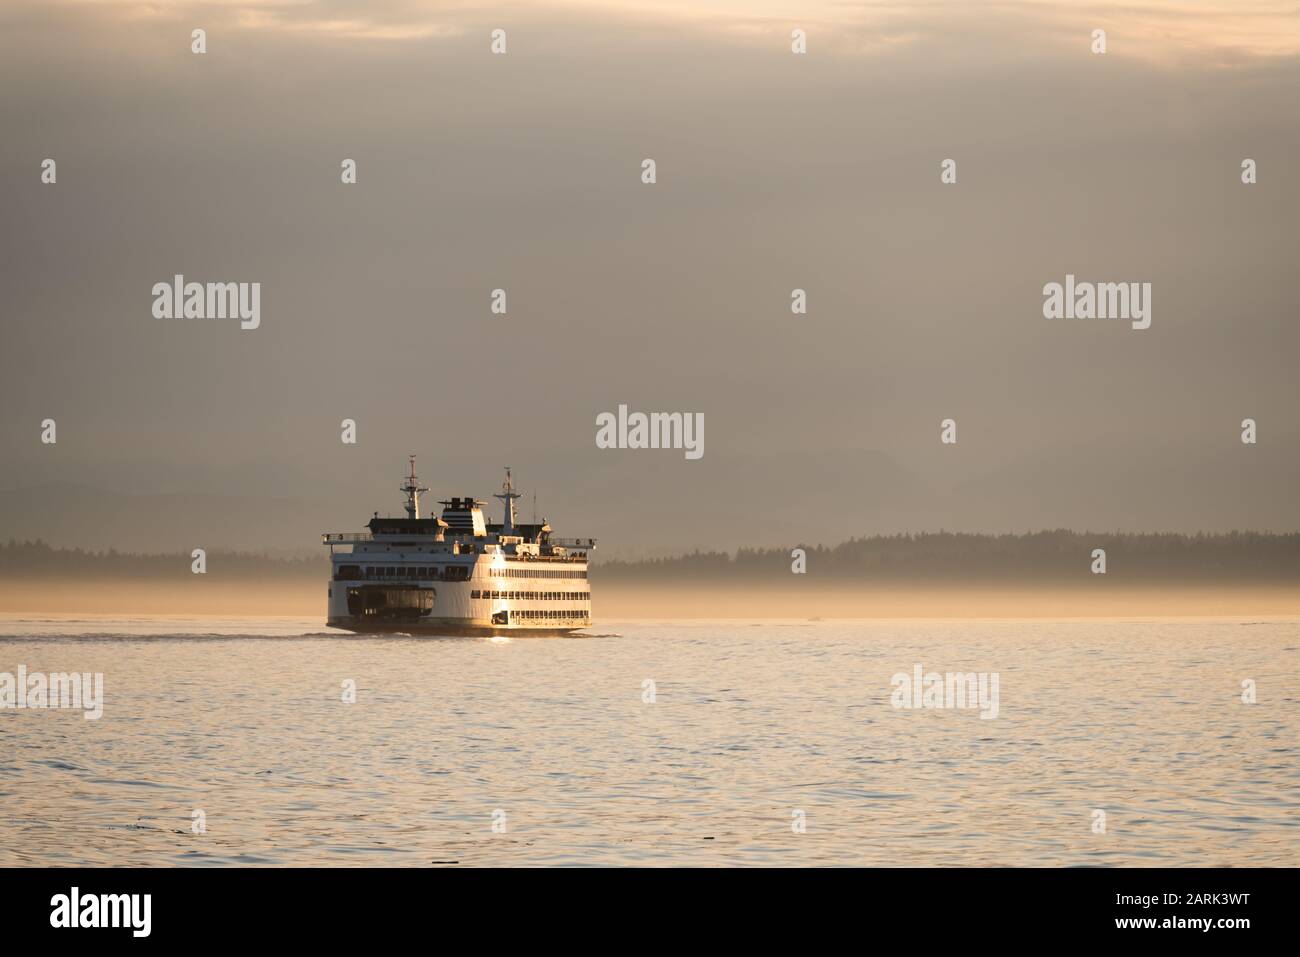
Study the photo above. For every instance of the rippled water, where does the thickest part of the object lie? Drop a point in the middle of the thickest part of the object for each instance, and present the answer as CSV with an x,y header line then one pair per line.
x,y
751,721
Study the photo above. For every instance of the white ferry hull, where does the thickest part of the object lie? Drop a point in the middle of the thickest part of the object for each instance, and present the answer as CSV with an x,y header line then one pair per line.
x,y
485,604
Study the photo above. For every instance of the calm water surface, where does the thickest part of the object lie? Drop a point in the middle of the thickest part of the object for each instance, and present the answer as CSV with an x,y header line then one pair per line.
x,y
244,720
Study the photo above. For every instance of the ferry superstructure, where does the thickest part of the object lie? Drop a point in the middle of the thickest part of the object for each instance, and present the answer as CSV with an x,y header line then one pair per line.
x,y
458,574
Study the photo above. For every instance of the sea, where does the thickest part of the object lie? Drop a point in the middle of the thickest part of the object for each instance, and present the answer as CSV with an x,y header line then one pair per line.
x,y
275,742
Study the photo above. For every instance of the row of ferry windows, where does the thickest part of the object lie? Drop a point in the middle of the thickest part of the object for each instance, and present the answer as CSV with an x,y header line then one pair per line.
x,y
533,595
547,613
449,573
535,573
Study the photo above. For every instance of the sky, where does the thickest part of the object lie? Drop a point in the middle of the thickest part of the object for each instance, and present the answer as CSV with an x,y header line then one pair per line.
x,y
523,171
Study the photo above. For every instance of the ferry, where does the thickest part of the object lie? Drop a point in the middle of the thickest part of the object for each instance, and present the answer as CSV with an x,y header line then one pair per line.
x,y
457,574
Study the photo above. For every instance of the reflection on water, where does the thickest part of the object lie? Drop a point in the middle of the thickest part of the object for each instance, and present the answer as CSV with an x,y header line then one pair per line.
x,y
245,722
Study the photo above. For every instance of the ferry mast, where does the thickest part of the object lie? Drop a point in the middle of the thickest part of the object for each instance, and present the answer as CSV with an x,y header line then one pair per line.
x,y
508,496
412,488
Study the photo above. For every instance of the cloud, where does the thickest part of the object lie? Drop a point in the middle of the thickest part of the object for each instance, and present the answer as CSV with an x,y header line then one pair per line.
x,y
1159,30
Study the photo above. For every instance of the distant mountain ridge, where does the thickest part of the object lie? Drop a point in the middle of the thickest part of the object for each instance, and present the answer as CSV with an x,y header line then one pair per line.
x,y
1060,555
